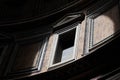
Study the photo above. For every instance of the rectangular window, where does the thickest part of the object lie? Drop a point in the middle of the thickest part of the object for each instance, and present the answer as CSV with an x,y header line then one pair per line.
x,y
63,49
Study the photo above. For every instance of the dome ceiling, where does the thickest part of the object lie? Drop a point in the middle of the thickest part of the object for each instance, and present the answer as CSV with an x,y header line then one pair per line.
x,y
15,10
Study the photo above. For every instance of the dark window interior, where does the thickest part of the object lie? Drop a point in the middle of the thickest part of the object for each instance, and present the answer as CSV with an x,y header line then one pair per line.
x,y
65,45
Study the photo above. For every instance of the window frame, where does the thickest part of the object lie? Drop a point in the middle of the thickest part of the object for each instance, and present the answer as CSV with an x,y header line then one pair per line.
x,y
55,42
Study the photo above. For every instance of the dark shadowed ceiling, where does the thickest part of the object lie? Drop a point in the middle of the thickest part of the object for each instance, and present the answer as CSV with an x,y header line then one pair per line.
x,y
21,9
26,9
15,14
